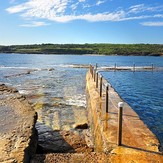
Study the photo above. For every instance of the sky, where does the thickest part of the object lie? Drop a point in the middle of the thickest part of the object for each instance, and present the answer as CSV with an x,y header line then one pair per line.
x,y
81,21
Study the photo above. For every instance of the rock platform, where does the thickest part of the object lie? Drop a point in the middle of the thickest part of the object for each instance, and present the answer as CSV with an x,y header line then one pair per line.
x,y
18,137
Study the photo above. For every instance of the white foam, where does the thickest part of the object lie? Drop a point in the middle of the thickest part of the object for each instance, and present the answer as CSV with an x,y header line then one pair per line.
x,y
74,65
24,92
64,65
77,100
24,68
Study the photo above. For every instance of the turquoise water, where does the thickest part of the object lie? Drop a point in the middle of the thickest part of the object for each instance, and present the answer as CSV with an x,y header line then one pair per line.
x,y
142,90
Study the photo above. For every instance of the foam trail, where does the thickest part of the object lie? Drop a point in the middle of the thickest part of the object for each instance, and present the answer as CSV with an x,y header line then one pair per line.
x,y
77,100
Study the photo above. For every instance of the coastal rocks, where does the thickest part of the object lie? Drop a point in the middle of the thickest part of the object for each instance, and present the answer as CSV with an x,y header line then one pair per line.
x,y
25,72
50,69
18,137
80,126
72,158
9,89
60,141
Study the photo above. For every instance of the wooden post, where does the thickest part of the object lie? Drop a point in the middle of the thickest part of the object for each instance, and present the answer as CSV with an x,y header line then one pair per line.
x,y
100,86
92,71
115,66
120,112
97,80
106,100
134,67
90,68
152,67
96,66
94,75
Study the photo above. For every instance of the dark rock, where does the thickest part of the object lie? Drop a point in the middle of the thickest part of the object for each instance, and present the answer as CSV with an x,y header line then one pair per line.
x,y
50,69
81,126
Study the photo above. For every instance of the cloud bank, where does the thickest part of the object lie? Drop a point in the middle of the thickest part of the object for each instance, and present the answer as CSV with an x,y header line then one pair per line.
x,y
66,10
34,24
156,24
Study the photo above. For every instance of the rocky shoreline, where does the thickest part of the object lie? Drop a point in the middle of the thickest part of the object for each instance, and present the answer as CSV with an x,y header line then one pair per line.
x,y
17,127
23,139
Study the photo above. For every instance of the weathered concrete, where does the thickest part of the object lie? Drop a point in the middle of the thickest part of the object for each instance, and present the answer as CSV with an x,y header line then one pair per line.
x,y
137,139
18,137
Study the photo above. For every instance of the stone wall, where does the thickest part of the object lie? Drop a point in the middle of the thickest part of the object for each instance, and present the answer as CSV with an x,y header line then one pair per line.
x,y
104,126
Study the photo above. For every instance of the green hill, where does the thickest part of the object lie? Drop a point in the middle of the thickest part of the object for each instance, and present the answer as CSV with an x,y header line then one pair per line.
x,y
101,49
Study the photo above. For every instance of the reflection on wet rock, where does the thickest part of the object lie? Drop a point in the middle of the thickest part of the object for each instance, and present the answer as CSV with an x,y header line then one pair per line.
x,y
61,141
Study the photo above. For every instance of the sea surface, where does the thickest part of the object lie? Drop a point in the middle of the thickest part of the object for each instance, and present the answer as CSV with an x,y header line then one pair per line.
x,y
56,80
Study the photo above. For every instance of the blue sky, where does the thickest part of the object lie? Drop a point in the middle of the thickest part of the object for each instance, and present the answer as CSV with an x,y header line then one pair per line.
x,y
81,21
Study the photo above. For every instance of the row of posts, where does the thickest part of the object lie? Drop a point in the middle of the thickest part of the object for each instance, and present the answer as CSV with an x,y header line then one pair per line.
x,y
93,70
95,76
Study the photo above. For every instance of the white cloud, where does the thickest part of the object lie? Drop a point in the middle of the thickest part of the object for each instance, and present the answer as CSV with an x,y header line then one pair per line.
x,y
55,10
90,17
65,11
34,24
116,16
156,24
74,6
100,2
82,0
17,8
158,16
40,6
142,8
136,17
136,8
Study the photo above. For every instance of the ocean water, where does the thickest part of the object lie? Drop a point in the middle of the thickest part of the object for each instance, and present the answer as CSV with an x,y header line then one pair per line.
x,y
64,86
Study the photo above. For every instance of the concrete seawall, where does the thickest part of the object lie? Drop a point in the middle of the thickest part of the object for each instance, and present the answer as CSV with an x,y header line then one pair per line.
x,y
138,142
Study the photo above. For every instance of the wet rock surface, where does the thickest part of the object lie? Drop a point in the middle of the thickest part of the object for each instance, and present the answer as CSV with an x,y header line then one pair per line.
x,y
61,145
25,72
18,137
60,141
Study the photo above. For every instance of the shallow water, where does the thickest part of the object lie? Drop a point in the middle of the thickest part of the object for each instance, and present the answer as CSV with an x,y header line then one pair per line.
x,y
54,94
64,87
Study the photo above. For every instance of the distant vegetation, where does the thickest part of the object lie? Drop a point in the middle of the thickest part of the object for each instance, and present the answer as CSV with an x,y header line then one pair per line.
x,y
101,49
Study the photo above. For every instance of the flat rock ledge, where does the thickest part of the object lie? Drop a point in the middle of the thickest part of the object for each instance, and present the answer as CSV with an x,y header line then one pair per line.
x,y
18,136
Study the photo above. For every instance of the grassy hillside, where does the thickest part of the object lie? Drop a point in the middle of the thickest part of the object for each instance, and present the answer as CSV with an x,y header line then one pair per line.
x,y
104,49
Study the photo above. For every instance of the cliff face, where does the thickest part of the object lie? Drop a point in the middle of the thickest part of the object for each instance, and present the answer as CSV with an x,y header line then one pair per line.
x,y
18,136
